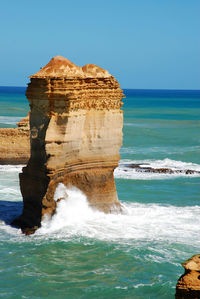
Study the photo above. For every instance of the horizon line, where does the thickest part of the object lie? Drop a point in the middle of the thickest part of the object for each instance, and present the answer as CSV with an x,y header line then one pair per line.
x,y
127,88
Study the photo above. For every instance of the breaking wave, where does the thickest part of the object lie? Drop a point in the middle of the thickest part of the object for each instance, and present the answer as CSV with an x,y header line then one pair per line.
x,y
141,222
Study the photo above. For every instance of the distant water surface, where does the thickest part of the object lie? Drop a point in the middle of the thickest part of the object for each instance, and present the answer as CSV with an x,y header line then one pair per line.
x,y
85,254
13,106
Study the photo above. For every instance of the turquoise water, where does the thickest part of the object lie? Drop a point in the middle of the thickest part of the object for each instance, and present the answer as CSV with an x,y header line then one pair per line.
x,y
13,106
82,253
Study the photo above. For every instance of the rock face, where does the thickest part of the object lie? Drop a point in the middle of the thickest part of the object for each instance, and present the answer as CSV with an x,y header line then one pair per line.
x,y
15,143
188,285
76,133
14,146
24,123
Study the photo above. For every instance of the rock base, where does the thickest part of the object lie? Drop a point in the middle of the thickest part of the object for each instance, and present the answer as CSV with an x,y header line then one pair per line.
x,y
188,285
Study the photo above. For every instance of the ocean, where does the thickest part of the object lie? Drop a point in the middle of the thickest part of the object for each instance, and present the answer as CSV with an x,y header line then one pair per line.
x,y
81,253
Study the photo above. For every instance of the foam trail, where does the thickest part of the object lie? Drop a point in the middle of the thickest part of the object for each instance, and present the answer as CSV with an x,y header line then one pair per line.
x,y
9,120
140,222
9,183
11,168
172,164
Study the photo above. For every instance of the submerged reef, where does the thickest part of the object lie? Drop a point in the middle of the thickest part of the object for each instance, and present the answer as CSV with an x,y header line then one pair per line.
x,y
76,132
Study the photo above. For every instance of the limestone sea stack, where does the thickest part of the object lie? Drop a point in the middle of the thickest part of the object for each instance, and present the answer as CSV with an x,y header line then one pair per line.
x,y
188,285
76,133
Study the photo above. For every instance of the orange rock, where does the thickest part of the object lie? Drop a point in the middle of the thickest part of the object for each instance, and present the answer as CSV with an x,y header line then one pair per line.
x,y
14,146
188,285
24,123
76,133
62,67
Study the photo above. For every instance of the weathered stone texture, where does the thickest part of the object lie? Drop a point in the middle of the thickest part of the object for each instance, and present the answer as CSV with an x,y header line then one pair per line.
x,y
15,143
76,133
188,285
14,146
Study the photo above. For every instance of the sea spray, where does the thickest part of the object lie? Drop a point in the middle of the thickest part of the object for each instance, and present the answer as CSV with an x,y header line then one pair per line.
x,y
74,217
139,222
72,211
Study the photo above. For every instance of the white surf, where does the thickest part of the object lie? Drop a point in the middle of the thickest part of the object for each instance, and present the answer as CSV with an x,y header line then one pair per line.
x,y
124,171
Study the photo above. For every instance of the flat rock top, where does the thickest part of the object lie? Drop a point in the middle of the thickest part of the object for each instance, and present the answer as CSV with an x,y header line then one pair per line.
x,y
60,66
193,263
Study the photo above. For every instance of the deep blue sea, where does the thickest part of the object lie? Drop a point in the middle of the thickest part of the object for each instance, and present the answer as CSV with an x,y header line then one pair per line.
x,y
81,253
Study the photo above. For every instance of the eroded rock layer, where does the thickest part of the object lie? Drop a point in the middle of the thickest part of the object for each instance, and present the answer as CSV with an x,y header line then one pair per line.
x,y
76,133
188,285
15,143
14,146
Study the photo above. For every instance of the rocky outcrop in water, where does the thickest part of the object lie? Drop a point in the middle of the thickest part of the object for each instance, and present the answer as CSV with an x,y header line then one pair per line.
x,y
164,170
23,124
15,143
188,285
76,133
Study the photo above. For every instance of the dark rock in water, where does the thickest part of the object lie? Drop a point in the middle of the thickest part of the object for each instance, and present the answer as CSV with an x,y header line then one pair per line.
x,y
188,285
27,224
133,165
191,171
140,168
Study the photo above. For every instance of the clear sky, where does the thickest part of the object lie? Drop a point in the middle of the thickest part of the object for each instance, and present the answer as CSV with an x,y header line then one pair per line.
x,y
145,44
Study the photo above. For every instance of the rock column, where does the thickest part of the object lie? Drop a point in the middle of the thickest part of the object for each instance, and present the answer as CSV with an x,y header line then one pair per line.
x,y
76,133
188,285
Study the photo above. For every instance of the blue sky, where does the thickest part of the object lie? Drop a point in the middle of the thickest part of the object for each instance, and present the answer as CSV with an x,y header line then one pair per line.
x,y
147,44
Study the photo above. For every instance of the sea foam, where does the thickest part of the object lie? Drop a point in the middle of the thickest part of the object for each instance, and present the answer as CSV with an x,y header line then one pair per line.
x,y
9,120
138,222
10,168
